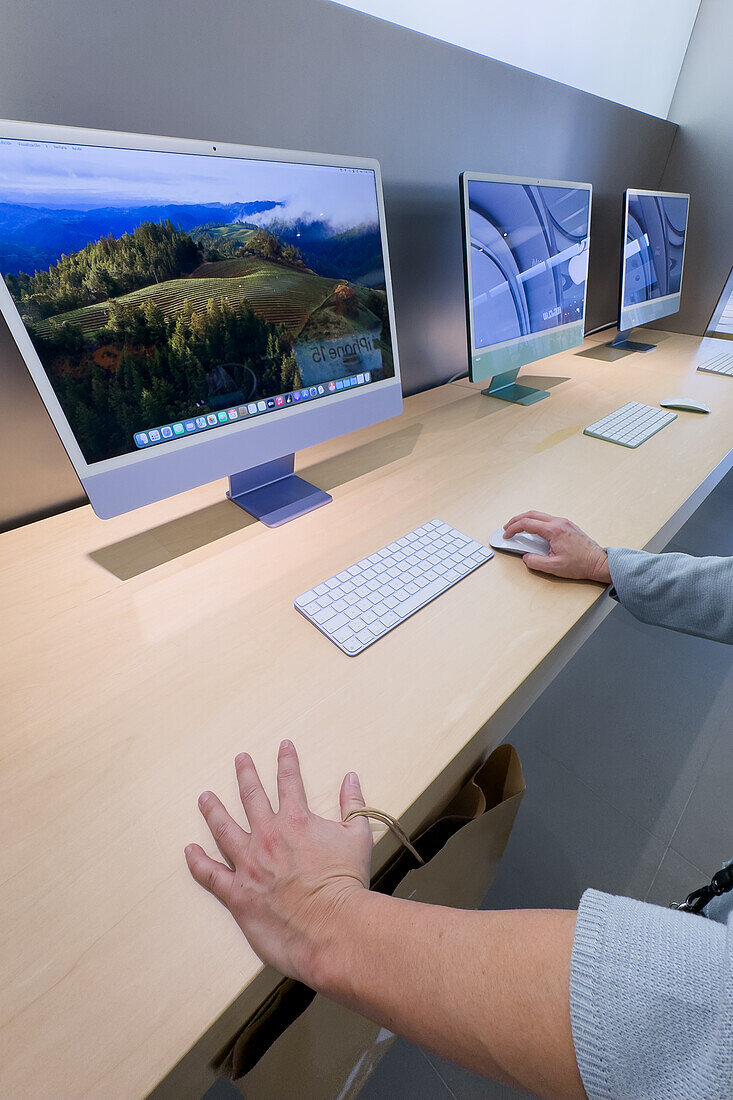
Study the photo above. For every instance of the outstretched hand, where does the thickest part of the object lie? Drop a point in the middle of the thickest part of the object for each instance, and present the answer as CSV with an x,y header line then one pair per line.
x,y
286,876
573,554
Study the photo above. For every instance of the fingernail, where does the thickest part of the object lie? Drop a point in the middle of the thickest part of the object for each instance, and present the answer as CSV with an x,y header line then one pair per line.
x,y
286,744
188,849
204,798
353,778
242,758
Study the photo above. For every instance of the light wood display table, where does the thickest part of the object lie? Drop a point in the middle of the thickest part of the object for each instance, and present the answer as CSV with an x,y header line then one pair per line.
x,y
140,655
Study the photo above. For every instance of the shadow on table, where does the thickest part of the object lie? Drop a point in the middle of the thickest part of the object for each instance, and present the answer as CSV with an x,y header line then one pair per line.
x,y
541,381
606,354
138,554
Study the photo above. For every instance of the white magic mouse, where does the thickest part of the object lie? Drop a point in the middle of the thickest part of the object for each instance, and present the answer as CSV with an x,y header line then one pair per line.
x,y
521,543
685,404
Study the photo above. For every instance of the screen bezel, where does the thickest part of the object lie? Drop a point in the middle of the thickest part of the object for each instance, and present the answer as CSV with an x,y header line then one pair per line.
x,y
136,459
533,181
669,298
720,305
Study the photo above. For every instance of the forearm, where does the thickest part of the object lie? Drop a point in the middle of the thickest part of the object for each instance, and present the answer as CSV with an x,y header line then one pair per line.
x,y
489,990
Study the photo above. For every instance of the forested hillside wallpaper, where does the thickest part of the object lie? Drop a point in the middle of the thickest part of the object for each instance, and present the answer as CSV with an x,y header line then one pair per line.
x,y
145,308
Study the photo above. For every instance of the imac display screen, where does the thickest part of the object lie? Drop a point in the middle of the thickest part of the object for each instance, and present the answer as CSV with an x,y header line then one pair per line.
x,y
528,258
171,293
654,249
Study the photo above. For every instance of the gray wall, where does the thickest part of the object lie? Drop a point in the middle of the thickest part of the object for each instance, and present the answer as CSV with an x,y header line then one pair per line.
x,y
701,162
308,74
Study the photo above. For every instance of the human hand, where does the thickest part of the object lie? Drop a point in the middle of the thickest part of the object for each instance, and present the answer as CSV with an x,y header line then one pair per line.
x,y
291,872
573,554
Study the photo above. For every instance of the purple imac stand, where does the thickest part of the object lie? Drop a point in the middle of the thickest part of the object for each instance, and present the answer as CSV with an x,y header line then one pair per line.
x,y
273,493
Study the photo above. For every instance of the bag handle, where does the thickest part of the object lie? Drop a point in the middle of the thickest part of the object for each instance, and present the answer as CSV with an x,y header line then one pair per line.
x,y
392,824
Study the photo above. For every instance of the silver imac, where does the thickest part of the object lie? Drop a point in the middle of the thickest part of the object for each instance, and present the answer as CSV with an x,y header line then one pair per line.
x,y
190,310
525,246
655,237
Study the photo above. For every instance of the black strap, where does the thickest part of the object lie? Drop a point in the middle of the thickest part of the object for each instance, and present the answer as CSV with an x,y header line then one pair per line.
x,y
720,883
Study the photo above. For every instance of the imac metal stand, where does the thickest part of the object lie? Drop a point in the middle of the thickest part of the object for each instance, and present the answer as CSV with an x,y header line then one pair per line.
x,y
504,386
621,340
273,493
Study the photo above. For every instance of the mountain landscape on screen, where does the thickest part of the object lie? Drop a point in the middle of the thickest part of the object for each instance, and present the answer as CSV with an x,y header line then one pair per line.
x,y
145,313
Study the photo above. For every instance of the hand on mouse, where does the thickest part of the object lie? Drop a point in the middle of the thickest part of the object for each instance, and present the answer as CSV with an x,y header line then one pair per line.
x,y
292,872
573,554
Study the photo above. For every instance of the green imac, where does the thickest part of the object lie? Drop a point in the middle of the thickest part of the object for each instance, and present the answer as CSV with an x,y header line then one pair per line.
x,y
525,246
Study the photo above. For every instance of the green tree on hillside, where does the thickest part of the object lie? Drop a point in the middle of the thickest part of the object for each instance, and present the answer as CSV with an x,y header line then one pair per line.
x,y
106,268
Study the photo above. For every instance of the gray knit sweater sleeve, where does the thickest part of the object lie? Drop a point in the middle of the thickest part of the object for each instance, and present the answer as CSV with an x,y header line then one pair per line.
x,y
694,595
651,1002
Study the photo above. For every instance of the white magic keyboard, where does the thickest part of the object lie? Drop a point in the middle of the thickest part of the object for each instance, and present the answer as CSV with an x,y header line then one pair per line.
x,y
719,364
631,425
363,602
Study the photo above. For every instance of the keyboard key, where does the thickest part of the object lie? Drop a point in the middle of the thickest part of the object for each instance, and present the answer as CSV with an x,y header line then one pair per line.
x,y
336,623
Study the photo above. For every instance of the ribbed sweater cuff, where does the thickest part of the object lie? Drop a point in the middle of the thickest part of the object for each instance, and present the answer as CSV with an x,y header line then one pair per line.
x,y
585,1017
618,560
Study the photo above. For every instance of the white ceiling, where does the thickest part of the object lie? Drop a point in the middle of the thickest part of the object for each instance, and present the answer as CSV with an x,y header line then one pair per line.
x,y
630,51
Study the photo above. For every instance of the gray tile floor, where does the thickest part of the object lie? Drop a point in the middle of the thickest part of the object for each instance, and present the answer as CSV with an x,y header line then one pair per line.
x,y
628,758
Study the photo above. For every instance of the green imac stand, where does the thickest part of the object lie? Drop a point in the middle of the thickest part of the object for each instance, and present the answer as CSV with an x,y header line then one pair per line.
x,y
505,387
